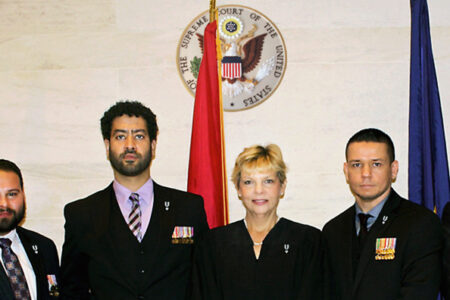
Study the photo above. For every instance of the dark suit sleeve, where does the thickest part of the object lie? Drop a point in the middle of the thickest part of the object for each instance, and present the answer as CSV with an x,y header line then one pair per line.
x,y
201,232
329,287
74,275
204,227
446,254
421,273
309,269
204,281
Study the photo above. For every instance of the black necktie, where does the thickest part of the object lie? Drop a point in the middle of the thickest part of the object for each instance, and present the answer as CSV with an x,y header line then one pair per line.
x,y
14,270
363,227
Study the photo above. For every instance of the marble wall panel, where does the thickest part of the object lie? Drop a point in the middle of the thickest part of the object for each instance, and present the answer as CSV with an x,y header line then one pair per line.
x,y
83,50
347,45
55,16
54,115
139,15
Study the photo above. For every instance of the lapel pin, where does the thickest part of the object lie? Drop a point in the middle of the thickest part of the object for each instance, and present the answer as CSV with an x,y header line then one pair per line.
x,y
286,248
166,205
385,218
35,248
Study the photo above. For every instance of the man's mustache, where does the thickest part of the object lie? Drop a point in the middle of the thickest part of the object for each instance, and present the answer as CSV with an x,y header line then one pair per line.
x,y
129,152
6,209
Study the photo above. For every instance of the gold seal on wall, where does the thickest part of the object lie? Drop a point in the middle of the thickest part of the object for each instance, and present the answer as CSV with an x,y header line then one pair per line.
x,y
253,55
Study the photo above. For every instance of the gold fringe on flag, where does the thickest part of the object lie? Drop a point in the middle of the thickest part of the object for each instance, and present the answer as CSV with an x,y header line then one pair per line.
x,y
212,11
224,170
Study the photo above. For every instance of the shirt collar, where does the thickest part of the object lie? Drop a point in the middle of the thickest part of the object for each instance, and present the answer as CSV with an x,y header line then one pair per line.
x,y
145,192
12,235
374,212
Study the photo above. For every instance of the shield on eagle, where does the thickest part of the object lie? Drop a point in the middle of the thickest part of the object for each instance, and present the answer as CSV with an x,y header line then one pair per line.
x,y
231,67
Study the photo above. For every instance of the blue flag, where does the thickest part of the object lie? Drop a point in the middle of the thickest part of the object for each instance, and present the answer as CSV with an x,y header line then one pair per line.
x,y
428,165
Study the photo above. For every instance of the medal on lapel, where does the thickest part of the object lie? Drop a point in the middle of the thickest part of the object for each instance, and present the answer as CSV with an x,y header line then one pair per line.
x,y
385,248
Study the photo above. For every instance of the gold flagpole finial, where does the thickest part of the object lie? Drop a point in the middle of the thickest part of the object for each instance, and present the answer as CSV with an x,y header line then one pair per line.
x,y
212,11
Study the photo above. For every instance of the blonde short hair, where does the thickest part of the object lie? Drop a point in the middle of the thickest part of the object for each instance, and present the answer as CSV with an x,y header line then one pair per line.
x,y
257,158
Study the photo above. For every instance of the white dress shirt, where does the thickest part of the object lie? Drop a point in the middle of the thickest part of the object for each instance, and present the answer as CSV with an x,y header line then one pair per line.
x,y
17,248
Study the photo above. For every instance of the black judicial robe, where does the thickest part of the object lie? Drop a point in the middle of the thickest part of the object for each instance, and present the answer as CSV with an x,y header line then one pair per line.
x,y
289,264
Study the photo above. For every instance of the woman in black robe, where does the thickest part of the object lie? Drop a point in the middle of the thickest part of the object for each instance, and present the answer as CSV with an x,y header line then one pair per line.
x,y
262,256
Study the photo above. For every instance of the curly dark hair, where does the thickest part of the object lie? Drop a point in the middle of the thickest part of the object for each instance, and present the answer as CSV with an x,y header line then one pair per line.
x,y
9,166
129,108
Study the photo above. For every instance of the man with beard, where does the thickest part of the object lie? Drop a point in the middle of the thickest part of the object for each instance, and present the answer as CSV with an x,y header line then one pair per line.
x,y
383,246
29,261
134,239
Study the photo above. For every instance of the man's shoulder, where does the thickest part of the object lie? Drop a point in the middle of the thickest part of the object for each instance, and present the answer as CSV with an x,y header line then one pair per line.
x,y
175,194
90,200
411,210
337,222
35,237
174,191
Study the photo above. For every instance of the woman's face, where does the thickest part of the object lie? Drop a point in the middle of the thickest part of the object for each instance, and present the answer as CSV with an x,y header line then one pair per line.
x,y
260,191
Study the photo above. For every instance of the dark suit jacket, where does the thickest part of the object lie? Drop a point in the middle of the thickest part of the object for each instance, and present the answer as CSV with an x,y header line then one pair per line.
x,y
97,262
43,256
446,255
415,271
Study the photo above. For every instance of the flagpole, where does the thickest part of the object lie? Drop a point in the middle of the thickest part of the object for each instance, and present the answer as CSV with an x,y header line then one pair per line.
x,y
212,11
213,16
219,84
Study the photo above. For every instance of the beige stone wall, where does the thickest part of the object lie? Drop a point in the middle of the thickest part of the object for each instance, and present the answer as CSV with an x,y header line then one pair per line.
x,y
62,63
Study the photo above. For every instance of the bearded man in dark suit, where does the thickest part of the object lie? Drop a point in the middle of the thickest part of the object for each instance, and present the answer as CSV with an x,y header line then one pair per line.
x,y
134,239
383,246
29,261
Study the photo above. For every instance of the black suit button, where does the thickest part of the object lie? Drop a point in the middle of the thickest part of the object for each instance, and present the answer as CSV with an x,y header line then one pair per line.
x,y
142,271
142,252
140,297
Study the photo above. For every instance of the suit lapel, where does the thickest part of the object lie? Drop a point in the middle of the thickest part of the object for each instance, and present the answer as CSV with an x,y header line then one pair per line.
x,y
101,215
161,224
35,258
383,222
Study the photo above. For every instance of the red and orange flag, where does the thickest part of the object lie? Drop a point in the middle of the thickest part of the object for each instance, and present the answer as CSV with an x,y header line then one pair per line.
x,y
207,173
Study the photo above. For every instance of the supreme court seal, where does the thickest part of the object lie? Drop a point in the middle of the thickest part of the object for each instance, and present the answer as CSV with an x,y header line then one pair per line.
x,y
253,55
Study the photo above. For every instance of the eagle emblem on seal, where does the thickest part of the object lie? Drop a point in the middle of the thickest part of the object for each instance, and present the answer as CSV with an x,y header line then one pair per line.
x,y
241,55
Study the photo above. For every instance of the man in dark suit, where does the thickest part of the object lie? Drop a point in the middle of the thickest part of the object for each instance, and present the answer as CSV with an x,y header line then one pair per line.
x,y
446,252
29,261
382,247
134,239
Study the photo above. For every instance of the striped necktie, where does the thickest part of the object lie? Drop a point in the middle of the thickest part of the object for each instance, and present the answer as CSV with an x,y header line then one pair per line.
x,y
15,273
134,218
